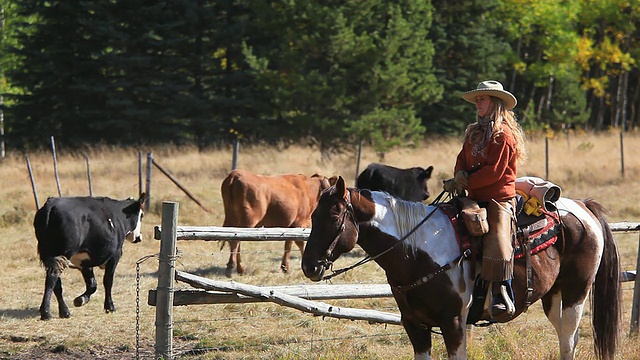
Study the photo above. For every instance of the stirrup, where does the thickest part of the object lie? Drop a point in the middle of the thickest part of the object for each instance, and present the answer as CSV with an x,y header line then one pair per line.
x,y
507,304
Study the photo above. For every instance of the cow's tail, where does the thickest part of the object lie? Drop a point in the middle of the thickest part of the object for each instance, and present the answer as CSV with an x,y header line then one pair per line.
x,y
41,225
606,294
227,200
55,265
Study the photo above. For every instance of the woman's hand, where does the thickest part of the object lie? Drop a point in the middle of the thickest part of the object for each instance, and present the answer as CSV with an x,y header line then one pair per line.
x,y
451,186
462,179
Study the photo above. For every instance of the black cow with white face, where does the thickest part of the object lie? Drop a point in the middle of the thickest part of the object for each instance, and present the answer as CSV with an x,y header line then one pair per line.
x,y
407,184
84,232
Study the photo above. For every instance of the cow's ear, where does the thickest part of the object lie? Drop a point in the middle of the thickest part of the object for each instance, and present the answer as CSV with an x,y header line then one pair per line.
x,y
324,183
426,174
142,199
341,188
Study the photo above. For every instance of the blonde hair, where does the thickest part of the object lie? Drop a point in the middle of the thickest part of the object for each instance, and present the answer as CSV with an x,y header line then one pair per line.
x,y
500,117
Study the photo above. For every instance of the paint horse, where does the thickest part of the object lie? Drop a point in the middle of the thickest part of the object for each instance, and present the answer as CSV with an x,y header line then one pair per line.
x,y
432,279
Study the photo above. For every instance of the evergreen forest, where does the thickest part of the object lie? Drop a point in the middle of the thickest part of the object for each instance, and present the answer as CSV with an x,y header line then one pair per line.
x,y
319,72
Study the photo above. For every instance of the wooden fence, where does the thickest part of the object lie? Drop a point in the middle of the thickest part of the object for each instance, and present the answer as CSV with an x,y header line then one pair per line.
x,y
299,297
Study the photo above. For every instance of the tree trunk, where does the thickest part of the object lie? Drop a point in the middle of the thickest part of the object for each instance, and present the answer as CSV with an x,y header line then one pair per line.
x,y
623,101
633,116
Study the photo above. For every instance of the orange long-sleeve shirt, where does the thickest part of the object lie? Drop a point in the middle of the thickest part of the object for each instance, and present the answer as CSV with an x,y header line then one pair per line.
x,y
492,170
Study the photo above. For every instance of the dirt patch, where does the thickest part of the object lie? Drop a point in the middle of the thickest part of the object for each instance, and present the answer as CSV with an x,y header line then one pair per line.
x,y
62,352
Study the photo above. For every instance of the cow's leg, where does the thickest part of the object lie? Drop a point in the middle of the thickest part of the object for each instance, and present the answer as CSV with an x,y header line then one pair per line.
x,y
284,266
53,284
45,306
90,284
420,337
107,281
235,261
63,309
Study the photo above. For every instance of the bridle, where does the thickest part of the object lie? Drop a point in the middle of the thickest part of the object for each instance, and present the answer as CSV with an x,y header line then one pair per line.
x,y
349,210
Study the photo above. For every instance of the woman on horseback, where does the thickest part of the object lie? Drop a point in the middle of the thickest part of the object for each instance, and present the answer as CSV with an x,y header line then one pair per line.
x,y
486,168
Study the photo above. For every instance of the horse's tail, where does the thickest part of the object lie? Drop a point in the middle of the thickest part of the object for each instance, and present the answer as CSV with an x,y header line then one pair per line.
x,y
606,294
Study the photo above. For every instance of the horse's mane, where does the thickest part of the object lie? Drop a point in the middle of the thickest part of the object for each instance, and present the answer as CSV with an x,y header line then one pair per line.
x,y
407,215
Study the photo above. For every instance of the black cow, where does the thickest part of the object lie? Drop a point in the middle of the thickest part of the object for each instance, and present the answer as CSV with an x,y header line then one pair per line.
x,y
408,184
84,232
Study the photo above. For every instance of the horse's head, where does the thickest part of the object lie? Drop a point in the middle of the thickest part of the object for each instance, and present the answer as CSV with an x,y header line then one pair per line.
x,y
334,231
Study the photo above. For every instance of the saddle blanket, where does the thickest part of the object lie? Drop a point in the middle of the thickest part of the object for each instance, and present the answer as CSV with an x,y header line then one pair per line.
x,y
540,235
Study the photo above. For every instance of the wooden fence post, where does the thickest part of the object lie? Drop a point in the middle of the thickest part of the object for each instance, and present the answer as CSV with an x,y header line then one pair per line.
x,y
236,150
635,306
139,172
149,161
166,278
546,158
621,155
86,159
33,182
55,164
175,181
355,182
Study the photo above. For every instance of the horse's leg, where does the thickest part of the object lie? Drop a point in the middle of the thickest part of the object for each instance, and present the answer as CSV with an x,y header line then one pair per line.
x,y
565,320
420,337
234,249
90,287
455,337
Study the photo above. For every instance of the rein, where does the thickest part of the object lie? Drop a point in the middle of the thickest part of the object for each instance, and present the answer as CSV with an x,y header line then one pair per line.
x,y
369,258
423,280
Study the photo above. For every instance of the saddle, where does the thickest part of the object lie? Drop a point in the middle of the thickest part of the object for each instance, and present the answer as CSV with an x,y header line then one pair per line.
x,y
534,233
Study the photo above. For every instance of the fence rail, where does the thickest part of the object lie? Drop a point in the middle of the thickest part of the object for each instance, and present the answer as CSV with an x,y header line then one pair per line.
x,y
165,296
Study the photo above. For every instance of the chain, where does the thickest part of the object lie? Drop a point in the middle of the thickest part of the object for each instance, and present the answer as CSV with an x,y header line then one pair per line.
x,y
137,311
141,260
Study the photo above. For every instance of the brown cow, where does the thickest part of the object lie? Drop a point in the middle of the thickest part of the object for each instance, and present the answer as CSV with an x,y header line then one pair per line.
x,y
252,200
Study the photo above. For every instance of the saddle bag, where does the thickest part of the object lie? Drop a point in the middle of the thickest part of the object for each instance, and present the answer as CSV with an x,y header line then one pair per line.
x,y
474,217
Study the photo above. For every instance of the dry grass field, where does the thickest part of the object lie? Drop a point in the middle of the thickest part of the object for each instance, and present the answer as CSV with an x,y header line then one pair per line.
x,y
584,165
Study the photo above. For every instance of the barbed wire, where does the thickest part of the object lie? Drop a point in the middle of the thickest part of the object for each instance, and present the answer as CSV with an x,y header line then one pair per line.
x,y
520,321
287,341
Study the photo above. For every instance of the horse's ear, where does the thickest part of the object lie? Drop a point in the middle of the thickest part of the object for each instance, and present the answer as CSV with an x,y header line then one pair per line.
x,y
341,187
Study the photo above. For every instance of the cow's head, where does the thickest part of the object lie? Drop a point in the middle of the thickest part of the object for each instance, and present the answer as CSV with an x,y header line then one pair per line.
x,y
325,182
422,178
135,213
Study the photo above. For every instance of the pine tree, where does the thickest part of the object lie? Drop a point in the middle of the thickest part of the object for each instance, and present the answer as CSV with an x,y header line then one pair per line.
x,y
348,71
469,49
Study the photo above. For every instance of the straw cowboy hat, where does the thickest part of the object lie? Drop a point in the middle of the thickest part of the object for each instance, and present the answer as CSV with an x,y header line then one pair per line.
x,y
491,88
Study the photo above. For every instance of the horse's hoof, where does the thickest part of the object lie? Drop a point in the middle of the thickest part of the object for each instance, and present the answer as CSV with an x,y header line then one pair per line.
x,y
284,268
45,316
65,315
